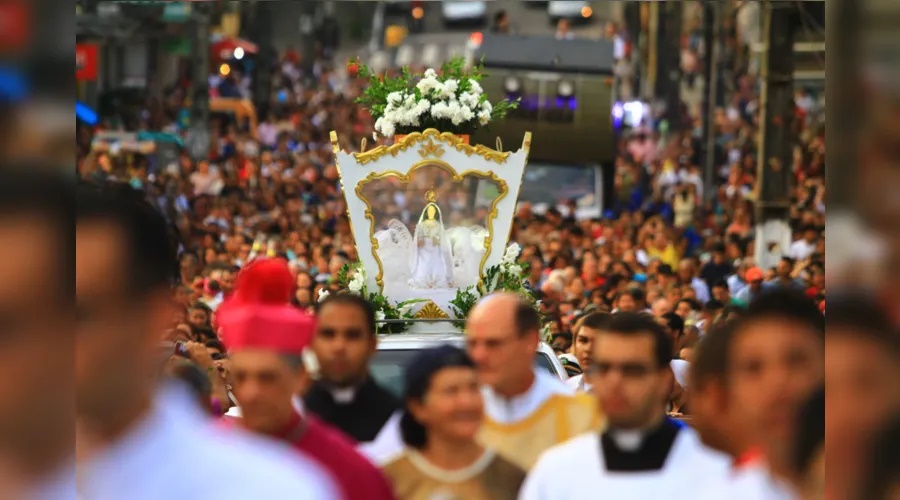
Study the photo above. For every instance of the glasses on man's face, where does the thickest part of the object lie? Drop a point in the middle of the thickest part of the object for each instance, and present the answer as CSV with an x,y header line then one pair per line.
x,y
630,370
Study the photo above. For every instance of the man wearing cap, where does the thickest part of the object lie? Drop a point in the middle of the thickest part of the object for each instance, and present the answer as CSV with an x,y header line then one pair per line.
x,y
266,343
755,278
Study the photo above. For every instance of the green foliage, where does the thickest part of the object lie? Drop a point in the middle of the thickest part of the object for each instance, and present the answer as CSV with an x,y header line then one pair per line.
x,y
384,308
464,301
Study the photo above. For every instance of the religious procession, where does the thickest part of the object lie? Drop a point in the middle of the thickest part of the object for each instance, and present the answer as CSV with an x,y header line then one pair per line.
x,y
453,251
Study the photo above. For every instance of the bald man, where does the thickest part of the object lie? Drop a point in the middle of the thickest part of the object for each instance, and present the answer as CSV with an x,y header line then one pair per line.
x,y
526,410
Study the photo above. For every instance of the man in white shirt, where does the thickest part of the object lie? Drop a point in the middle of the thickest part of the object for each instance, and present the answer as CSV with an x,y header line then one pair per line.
x,y
805,246
642,454
36,446
133,440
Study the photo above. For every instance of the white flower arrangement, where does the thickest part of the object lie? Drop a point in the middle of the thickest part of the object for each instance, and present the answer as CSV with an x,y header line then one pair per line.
x,y
352,277
507,276
451,100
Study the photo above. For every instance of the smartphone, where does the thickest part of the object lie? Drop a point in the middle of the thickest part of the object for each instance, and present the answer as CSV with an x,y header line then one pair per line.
x,y
181,350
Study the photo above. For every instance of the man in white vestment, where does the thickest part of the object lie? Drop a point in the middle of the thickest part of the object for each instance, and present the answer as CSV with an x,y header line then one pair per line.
x,y
775,360
642,454
526,409
135,441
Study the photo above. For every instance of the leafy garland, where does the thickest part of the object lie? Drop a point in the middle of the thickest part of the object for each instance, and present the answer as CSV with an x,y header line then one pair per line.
x,y
352,278
507,276
450,100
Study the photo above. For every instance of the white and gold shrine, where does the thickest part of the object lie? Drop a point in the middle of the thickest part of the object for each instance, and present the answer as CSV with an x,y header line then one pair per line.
x,y
430,213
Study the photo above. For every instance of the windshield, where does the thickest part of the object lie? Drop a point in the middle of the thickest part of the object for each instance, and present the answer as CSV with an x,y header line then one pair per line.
x,y
552,185
387,367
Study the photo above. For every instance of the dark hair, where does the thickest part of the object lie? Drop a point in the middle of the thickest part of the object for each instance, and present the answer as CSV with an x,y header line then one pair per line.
x,y
203,334
216,344
674,322
351,299
720,284
418,376
713,305
596,321
692,303
665,270
711,355
883,461
201,306
151,246
527,318
633,324
859,315
38,190
194,377
636,293
811,431
786,304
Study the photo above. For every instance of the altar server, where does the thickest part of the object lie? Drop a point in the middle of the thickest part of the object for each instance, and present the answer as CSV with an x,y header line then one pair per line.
x,y
442,459
642,454
266,344
526,409
775,360
346,395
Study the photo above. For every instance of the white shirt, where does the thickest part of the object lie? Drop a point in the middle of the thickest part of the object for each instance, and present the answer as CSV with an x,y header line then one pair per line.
x,y
176,453
578,384
801,249
576,470
750,483
389,443
680,368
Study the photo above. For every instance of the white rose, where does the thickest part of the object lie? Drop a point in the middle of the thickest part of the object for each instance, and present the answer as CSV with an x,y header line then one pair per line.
x,y
430,73
475,88
428,84
468,100
512,253
379,315
323,294
405,309
514,269
449,89
486,107
355,285
395,98
484,118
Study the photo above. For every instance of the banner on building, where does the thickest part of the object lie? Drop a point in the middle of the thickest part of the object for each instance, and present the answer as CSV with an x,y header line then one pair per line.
x,y
85,62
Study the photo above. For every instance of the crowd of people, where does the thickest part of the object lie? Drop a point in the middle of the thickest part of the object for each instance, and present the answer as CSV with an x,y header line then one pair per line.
x,y
659,310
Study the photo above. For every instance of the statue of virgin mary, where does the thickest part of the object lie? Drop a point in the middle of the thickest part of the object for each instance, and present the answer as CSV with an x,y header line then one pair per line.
x,y
431,260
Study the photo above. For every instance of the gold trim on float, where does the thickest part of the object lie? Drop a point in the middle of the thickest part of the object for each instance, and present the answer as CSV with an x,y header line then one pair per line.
x,y
407,178
431,311
433,135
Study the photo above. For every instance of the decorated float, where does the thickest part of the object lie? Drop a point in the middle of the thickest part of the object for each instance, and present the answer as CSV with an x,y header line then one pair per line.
x,y
431,214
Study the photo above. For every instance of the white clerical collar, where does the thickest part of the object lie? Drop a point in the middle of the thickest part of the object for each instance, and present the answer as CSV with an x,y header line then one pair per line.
x,y
344,395
506,410
628,440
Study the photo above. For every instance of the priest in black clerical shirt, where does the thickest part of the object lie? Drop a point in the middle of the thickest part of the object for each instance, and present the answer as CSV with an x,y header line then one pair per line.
x,y
642,454
345,395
